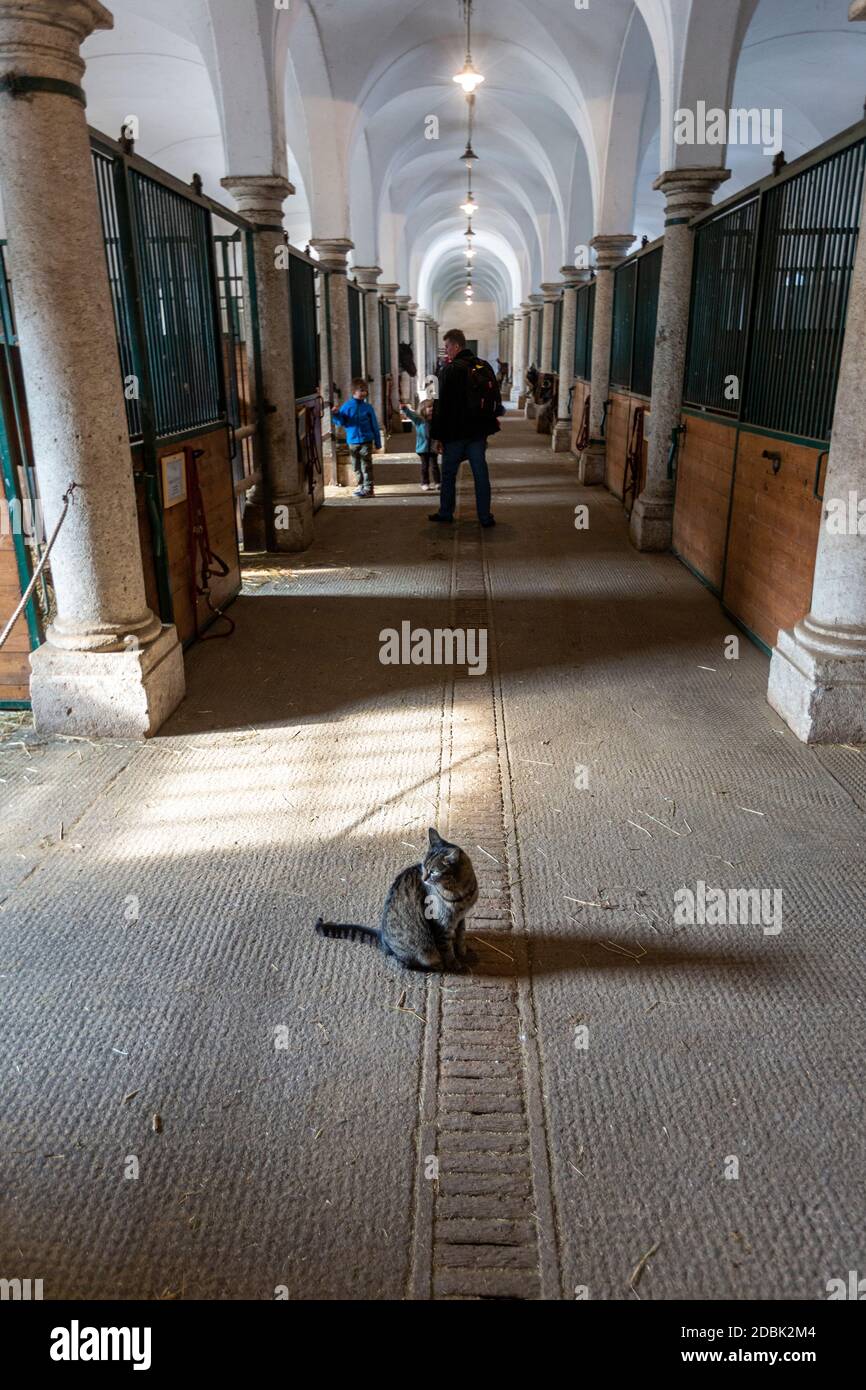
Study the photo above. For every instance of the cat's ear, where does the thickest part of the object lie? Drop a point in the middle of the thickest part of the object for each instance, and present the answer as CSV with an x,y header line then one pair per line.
x,y
435,838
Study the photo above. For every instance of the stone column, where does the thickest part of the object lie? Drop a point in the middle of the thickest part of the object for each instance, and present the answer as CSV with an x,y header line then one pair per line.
x,y
108,667
572,279
610,250
333,254
688,193
412,340
551,293
420,352
389,293
536,302
366,276
818,670
536,306
404,336
518,366
260,198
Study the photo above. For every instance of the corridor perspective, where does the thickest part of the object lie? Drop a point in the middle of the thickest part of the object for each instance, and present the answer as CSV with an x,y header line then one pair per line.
x,y
253,665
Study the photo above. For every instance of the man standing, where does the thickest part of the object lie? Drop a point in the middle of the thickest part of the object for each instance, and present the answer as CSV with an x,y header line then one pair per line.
x,y
465,414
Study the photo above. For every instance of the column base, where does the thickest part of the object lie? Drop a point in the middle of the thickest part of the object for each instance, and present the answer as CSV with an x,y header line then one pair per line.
x,y
293,522
395,423
818,682
253,526
531,410
590,465
107,694
560,439
518,397
652,523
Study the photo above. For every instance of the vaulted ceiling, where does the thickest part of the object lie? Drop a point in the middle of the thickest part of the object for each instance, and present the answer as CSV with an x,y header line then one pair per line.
x,y
354,99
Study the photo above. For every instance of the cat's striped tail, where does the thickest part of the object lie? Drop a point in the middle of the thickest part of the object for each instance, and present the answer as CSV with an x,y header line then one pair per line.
x,y
347,931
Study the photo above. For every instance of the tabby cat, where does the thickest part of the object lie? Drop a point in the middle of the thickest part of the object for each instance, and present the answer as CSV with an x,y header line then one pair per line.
x,y
423,920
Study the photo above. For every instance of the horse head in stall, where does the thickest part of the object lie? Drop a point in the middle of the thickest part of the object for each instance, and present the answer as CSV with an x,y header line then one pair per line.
x,y
407,360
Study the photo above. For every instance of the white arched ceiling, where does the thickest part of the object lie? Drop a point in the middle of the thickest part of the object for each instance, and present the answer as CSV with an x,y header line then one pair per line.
x,y
573,123
804,58
201,77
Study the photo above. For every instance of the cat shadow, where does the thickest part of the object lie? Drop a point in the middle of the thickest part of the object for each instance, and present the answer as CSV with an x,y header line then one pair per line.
x,y
505,955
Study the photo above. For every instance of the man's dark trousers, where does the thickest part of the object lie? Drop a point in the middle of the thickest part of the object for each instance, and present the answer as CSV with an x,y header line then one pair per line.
x,y
454,452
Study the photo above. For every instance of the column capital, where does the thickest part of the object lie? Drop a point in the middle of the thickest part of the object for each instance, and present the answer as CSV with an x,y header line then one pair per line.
x,y
527,306
611,249
46,35
259,197
333,253
413,307
535,300
551,291
388,292
572,276
367,275
857,10
403,300
688,192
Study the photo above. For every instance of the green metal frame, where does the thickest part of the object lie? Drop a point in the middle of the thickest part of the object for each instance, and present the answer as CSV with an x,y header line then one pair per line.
x,y
583,331
11,488
635,309
756,289
356,341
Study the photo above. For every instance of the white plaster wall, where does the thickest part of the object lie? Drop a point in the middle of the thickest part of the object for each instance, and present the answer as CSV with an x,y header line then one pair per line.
x,y
478,321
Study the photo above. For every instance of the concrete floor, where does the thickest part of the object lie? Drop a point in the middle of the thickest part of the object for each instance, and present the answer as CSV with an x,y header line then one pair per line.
x,y
585,1090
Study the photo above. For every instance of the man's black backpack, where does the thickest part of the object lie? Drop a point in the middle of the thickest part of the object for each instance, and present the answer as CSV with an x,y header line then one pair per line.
x,y
483,400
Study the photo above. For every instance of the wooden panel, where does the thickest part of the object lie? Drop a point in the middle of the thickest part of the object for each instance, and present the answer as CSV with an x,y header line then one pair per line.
x,y
14,656
775,522
146,542
214,468
618,433
704,468
581,391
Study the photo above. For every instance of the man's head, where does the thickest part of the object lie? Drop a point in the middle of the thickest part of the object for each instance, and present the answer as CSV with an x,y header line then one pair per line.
x,y
359,388
455,341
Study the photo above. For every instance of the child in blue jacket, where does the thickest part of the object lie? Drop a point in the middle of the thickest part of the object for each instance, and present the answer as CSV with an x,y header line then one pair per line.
x,y
358,419
424,445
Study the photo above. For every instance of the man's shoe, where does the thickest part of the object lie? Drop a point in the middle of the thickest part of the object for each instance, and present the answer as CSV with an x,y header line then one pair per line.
x,y
360,492
491,521
443,520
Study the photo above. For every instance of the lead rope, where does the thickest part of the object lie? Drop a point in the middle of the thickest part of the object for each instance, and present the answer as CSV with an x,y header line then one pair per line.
x,y
633,458
28,592
212,566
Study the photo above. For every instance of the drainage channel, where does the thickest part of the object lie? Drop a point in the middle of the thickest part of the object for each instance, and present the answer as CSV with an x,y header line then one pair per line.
x,y
483,1219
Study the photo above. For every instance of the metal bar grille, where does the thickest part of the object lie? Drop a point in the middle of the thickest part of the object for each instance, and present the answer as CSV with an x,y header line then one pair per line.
x,y
305,341
557,333
232,307
583,331
355,341
622,343
174,256
719,320
104,171
384,337
649,269
804,265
